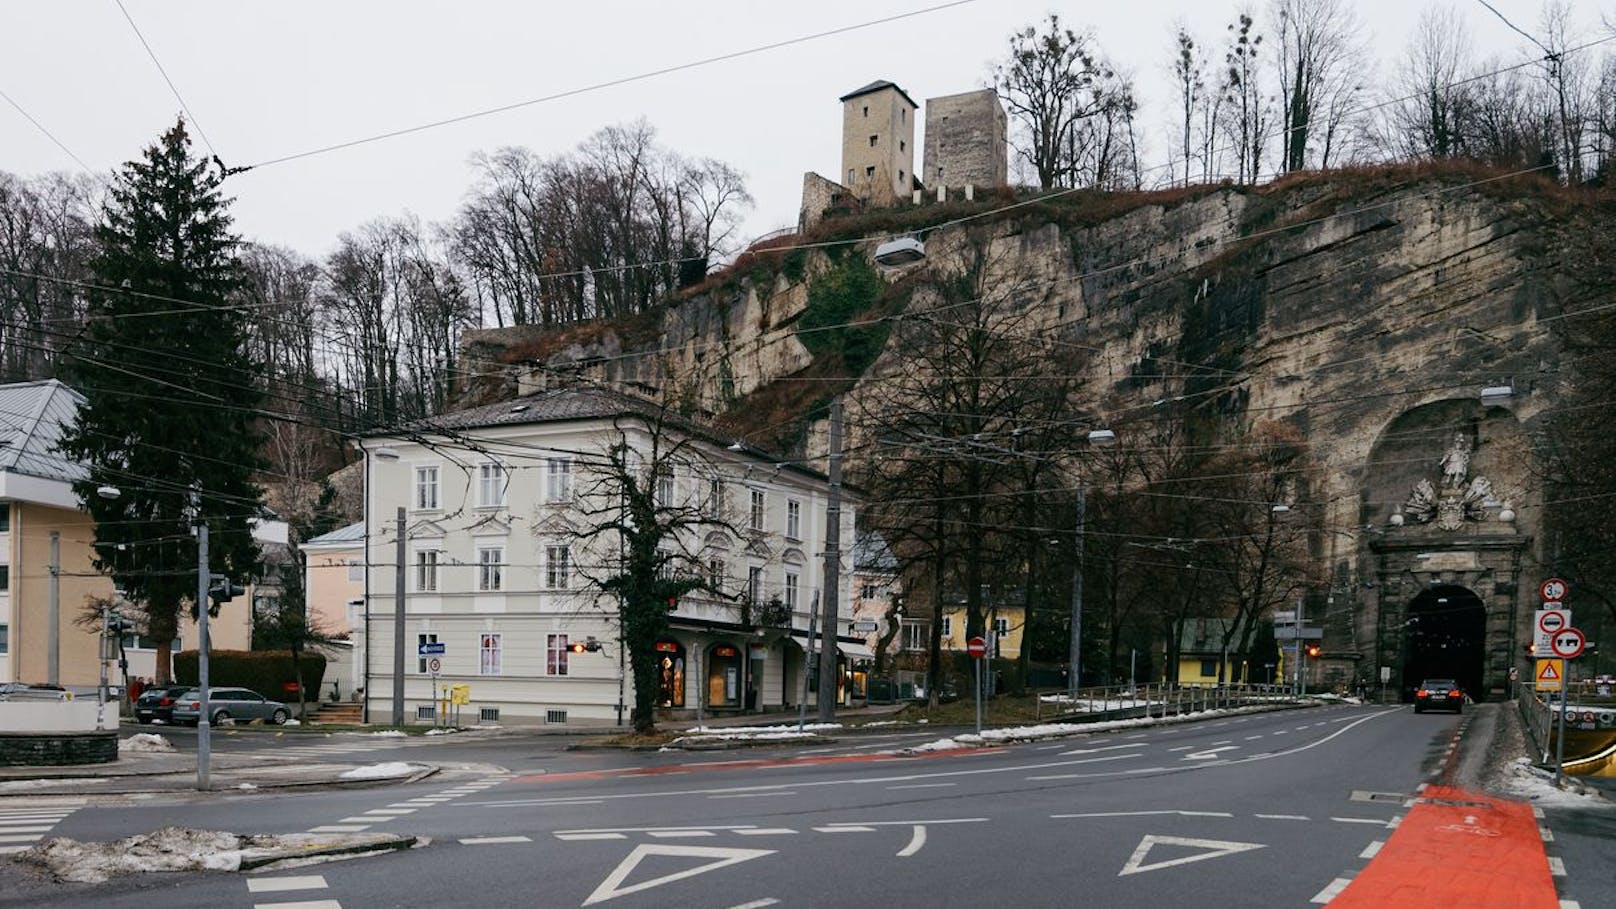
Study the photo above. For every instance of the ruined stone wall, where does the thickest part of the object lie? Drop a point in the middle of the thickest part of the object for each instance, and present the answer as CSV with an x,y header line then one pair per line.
x,y
966,141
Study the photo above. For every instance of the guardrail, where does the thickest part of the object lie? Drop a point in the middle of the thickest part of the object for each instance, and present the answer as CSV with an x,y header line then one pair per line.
x,y
1124,701
1538,718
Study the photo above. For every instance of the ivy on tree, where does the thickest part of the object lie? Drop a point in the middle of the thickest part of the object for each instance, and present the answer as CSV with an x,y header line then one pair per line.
x,y
170,411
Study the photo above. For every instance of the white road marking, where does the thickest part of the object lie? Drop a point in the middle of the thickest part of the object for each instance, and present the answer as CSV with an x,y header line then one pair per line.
x,y
1372,850
1152,813
716,827
915,842
13,828
29,838
1209,753
362,820
1224,742
306,904
1548,836
845,828
1359,820
280,884
924,786
1253,738
1570,904
339,828
391,811
1096,750
1181,748
767,831
1094,760
1283,817
612,886
493,840
1213,849
1556,866
1279,732
757,904
751,795
1332,891
590,836
679,834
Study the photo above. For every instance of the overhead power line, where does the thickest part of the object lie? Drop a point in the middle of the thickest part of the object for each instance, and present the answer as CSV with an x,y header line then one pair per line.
x,y
45,132
171,87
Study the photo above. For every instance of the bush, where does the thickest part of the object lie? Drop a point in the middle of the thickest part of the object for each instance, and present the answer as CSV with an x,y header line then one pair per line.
x,y
264,671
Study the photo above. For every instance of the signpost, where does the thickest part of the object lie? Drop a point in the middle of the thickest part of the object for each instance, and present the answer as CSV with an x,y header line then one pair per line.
x,y
1553,590
977,649
1568,644
1549,622
433,653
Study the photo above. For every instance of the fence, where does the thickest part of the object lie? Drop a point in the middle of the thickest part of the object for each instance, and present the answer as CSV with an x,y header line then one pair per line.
x,y
1155,700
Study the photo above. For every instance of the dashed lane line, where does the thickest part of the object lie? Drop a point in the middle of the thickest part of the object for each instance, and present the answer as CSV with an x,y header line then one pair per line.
x,y
1283,817
493,840
283,884
751,795
924,786
1379,822
306,904
1372,850
1331,891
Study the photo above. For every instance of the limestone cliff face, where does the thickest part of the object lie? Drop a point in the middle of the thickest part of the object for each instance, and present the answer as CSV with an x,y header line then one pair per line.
x,y
1345,306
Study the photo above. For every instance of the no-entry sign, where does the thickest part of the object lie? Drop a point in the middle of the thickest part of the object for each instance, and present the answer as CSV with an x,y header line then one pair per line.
x,y
977,648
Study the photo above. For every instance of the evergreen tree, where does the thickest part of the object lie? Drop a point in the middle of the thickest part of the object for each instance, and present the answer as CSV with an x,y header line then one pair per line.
x,y
170,400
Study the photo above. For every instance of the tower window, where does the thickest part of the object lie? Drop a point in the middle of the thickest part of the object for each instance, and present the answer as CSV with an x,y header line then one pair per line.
x,y
900,176
902,145
869,171
873,140
866,110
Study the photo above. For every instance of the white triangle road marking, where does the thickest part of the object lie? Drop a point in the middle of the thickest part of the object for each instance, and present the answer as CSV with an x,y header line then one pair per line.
x,y
611,887
1214,849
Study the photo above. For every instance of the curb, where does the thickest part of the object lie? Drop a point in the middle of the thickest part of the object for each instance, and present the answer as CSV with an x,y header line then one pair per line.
x,y
739,744
395,844
425,771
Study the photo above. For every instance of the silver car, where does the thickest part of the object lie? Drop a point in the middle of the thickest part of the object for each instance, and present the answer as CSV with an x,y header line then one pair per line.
x,y
229,704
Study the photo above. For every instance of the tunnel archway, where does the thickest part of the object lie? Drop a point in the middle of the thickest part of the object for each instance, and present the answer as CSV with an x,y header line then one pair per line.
x,y
1445,637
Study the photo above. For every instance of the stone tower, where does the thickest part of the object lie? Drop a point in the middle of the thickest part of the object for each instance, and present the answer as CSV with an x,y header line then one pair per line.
x,y
878,143
966,140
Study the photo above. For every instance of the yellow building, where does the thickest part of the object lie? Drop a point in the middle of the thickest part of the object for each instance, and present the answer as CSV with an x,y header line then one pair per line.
x,y
1006,622
1201,659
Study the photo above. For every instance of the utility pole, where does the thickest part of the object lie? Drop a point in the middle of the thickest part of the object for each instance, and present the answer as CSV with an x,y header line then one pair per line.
x,y
398,625
807,660
53,614
204,739
833,569
1075,659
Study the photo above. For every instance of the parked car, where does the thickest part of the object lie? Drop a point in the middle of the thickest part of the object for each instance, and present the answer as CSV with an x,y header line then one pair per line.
x,y
1439,694
17,691
229,704
158,703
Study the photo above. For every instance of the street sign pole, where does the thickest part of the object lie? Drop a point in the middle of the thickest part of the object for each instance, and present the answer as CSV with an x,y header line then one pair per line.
x,y
978,664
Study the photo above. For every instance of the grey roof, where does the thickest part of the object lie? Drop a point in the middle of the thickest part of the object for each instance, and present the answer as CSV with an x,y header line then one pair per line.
x,y
33,416
353,533
876,86
1203,635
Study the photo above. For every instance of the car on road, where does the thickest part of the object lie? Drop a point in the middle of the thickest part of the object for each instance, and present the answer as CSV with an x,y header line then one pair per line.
x,y
157,704
1439,694
229,705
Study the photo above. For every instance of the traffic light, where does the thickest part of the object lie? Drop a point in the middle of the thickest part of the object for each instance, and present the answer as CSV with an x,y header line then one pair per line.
x,y
1531,649
223,592
1312,650
588,645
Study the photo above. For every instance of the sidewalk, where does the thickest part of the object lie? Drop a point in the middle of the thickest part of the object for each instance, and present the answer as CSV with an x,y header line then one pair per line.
x,y
175,772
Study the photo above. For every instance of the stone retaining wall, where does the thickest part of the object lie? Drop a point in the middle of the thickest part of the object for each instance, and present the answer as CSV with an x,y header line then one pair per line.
x,y
55,749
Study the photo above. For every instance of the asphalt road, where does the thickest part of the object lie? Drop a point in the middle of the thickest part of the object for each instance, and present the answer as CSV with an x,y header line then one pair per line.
x,y
1266,809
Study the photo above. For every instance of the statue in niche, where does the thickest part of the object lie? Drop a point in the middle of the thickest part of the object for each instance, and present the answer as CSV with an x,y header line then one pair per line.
x,y
1461,498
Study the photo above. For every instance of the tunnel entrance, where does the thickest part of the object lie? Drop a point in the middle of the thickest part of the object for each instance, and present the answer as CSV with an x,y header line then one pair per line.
x,y
1445,638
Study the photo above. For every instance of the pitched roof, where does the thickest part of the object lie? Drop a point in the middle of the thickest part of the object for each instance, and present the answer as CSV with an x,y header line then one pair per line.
x,y
1202,635
871,552
33,417
876,86
353,533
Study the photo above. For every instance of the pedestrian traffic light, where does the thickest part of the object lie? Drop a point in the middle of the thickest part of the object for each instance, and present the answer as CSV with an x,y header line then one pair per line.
x,y
1312,650
223,592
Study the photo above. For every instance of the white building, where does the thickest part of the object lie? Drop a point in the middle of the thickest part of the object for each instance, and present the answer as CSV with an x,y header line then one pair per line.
x,y
496,500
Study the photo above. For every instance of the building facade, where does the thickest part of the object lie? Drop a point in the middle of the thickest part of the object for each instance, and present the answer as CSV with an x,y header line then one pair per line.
x,y
967,141
503,564
878,143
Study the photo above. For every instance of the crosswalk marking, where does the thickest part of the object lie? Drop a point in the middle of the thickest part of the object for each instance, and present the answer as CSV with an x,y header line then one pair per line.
x,y
25,822
279,884
339,828
306,904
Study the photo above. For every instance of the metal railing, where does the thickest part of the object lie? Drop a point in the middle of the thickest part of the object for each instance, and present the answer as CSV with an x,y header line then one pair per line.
x,y
1155,700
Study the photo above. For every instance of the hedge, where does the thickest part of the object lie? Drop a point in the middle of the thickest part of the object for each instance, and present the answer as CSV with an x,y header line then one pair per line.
x,y
267,672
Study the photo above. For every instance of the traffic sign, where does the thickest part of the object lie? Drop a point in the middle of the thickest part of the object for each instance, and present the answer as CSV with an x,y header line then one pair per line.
x,y
431,649
976,647
1550,675
1548,623
1553,590
434,665
864,626
1568,643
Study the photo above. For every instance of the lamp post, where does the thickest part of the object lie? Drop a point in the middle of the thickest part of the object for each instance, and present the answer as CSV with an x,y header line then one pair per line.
x,y
389,455
1098,438
105,492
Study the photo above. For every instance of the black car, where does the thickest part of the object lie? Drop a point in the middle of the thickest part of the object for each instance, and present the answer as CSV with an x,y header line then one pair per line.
x,y
1439,694
158,703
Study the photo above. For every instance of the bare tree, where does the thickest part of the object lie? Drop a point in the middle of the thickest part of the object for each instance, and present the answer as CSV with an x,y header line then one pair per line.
x,y
1431,118
1246,110
1318,58
1189,83
1052,84
45,243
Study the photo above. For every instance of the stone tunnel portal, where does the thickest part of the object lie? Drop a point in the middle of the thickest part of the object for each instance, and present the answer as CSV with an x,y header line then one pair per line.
x,y
1444,637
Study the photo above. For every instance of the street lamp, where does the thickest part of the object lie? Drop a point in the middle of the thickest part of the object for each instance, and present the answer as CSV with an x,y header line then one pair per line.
x,y
1098,438
1497,395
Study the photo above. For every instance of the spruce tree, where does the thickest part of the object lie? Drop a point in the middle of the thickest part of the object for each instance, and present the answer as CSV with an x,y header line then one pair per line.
x,y
170,411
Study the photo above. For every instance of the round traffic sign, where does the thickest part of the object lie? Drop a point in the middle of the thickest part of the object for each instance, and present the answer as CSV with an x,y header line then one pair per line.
x,y
1552,621
1568,643
976,647
1553,590
433,665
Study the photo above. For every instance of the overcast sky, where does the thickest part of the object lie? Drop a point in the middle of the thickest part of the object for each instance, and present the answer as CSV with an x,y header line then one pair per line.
x,y
267,79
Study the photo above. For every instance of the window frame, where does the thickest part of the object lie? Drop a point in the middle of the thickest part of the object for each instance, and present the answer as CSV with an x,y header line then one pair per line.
x,y
757,510
948,626
423,485
793,519
556,648
485,666
423,637
551,567
558,480
426,570
754,583
484,564
1001,626
492,472
792,590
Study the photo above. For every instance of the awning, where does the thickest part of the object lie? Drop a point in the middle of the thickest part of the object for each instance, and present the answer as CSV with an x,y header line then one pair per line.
x,y
857,650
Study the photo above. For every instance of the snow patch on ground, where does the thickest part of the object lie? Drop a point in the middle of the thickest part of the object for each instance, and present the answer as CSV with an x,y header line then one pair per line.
x,y
291,722
778,736
1524,780
149,742
10,786
731,732
1063,730
440,732
168,849
389,734
939,745
386,771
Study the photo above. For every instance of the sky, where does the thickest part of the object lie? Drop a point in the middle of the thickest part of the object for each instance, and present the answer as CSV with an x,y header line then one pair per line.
x,y
270,79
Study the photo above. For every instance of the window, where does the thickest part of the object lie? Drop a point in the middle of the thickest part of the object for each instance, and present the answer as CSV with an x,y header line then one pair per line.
x,y
850,175
5,577
420,661
426,711
873,140
488,656
1001,627
793,519
866,110
555,654
490,568
490,485
792,586
1209,668
754,584
869,171
558,480
426,570
487,714
426,488
900,175
133,641
5,517
902,146
557,566
5,638
715,497
356,570
665,565
664,486
948,626
903,114
914,636
757,511
717,573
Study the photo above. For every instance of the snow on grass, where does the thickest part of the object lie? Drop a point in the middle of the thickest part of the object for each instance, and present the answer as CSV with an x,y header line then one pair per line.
x,y
292,722
741,731
390,770
440,732
1524,780
780,736
389,734
168,849
147,742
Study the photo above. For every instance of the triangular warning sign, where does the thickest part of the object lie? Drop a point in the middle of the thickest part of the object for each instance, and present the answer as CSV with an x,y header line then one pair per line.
x,y
1548,672
1210,849
612,887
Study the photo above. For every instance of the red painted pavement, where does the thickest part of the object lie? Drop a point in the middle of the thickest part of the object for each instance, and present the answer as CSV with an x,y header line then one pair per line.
x,y
1457,848
711,766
